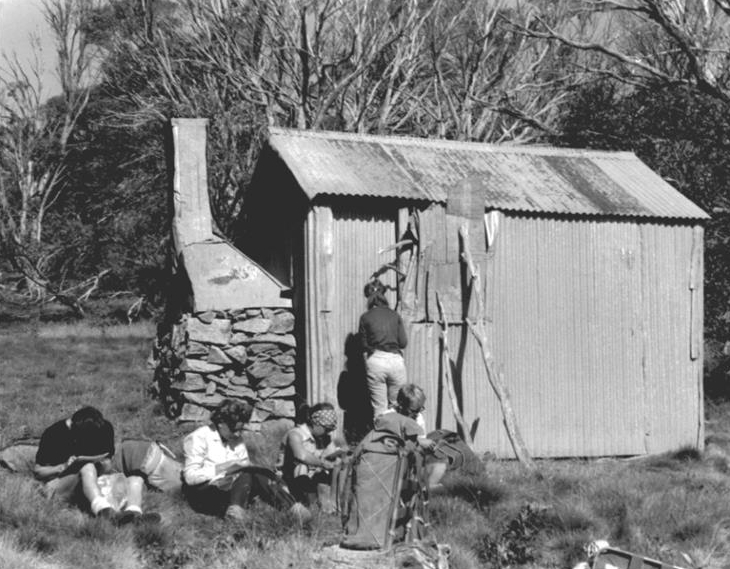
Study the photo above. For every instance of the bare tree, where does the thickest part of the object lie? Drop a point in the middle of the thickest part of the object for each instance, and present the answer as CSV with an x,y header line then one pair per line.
x,y
457,69
490,82
33,145
76,58
666,41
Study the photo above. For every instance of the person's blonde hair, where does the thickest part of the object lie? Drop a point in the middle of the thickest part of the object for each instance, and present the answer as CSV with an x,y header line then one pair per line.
x,y
411,397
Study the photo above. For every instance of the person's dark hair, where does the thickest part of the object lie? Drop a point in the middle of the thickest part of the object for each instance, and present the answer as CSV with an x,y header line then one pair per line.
x,y
375,293
302,414
87,424
231,412
87,418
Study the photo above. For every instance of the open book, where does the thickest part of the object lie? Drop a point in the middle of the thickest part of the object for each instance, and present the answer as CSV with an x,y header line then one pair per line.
x,y
232,473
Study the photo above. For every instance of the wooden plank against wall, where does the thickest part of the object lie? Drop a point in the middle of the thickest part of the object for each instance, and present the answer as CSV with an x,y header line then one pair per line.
x,y
325,299
695,286
402,258
697,324
310,310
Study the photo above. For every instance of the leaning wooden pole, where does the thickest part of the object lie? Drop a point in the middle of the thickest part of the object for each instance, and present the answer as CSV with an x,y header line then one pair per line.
x,y
449,379
495,378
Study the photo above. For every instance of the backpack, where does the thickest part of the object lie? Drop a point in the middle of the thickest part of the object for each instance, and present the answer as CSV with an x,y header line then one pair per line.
x,y
452,449
382,495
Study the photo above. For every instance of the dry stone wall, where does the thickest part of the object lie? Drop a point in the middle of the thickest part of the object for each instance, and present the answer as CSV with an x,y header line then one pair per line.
x,y
246,354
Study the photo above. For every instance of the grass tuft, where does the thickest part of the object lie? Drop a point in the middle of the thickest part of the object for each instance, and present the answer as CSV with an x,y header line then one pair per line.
x,y
480,491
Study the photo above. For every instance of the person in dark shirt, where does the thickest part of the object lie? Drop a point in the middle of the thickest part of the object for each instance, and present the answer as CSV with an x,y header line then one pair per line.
x,y
406,421
383,338
72,455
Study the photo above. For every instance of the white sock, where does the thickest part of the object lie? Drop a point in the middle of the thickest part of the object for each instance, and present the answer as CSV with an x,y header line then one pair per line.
x,y
98,504
133,508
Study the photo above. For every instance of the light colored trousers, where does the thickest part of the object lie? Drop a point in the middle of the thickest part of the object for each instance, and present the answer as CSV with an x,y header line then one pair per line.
x,y
386,373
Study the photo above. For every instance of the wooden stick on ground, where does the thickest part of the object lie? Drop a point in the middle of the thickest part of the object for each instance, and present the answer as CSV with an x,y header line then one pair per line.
x,y
495,378
446,364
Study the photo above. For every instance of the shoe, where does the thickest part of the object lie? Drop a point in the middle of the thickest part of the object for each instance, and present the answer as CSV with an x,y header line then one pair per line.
x,y
109,514
235,513
301,513
127,517
137,518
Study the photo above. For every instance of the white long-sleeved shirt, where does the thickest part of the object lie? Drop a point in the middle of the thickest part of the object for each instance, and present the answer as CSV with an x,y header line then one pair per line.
x,y
203,450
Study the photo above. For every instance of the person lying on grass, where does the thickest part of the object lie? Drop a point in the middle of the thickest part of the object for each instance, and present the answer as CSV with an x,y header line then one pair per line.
x,y
406,421
74,462
309,454
218,475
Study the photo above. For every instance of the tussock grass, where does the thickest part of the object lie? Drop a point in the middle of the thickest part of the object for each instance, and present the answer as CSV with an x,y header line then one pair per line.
x,y
663,507
13,555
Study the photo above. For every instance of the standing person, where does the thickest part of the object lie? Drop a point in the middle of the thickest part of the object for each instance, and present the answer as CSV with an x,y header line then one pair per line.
x,y
218,475
309,452
383,338
73,458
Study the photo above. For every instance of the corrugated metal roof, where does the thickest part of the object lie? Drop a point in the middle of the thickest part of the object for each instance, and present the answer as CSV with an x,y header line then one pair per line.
x,y
513,178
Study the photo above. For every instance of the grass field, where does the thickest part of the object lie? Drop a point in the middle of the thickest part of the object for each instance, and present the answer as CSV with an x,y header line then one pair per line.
x,y
673,507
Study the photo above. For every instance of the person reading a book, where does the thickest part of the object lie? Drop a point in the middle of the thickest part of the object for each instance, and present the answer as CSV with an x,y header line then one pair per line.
x,y
309,453
74,461
218,476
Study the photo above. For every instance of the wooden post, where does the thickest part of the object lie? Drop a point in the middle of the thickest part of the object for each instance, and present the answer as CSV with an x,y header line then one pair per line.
x,y
446,363
495,378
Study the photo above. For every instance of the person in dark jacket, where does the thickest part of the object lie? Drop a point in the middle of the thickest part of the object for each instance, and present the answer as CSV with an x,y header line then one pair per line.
x,y
383,338
74,461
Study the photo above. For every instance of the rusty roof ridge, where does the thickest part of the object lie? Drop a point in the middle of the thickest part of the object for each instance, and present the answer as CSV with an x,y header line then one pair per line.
x,y
491,147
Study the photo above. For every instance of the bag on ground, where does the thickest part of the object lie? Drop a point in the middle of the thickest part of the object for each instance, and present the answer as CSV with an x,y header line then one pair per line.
x,y
383,495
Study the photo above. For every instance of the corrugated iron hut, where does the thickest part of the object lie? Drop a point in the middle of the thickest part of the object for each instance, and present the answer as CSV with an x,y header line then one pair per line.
x,y
591,270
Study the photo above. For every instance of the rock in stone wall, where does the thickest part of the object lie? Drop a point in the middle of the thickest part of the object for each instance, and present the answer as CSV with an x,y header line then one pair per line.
x,y
246,354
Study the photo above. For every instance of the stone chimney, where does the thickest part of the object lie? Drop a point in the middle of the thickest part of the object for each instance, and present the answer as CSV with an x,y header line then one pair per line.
x,y
234,336
192,221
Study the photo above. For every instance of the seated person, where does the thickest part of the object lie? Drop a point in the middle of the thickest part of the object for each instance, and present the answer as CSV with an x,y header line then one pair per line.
x,y
406,421
74,455
218,475
152,461
309,454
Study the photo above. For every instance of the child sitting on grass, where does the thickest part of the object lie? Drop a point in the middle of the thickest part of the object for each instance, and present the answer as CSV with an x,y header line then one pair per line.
x,y
406,421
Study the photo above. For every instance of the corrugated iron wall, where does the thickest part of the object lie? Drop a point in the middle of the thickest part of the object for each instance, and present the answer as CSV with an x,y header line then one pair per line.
x,y
342,249
595,325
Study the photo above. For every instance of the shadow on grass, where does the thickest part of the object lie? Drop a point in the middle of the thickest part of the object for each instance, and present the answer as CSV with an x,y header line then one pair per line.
x,y
675,460
479,491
